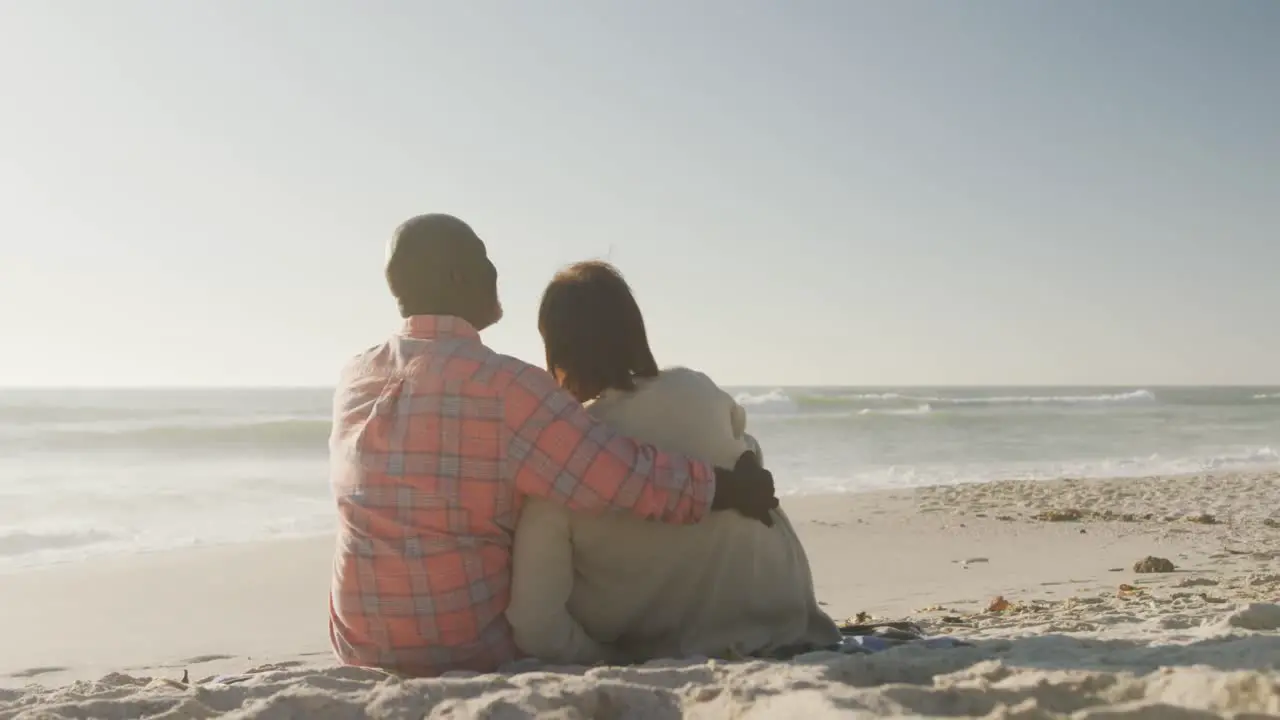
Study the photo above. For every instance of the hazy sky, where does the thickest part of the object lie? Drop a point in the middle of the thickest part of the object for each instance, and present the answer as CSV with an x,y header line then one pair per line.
x,y
808,192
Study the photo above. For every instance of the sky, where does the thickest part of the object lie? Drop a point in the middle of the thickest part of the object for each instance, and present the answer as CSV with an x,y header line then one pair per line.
x,y
817,192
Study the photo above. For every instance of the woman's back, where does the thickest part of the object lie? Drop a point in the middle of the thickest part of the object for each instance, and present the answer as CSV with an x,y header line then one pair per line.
x,y
727,584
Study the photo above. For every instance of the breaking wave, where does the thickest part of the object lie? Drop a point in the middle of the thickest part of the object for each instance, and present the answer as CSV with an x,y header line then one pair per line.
x,y
779,401
285,434
16,541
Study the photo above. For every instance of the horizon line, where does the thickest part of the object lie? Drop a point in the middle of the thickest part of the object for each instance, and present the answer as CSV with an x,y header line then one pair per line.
x,y
872,386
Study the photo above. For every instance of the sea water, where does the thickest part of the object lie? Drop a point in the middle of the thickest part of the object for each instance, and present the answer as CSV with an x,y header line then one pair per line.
x,y
92,472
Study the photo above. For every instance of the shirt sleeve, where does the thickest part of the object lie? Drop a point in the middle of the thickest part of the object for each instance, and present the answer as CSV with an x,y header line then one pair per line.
x,y
557,450
541,582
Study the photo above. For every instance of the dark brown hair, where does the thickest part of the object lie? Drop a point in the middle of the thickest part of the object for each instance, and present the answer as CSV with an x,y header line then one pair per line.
x,y
593,331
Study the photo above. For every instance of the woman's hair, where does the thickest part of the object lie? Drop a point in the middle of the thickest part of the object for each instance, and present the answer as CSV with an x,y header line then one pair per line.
x,y
593,331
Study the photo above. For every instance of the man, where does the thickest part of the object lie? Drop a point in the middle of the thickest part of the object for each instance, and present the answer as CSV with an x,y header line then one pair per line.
x,y
436,440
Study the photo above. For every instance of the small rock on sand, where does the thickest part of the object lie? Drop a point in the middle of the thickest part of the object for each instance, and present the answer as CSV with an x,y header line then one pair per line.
x,y
1152,564
1203,519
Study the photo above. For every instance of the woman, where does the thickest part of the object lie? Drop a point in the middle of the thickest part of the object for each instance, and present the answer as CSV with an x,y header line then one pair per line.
x,y
589,589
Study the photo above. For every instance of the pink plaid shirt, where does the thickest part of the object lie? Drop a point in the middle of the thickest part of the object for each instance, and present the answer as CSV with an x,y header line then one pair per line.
x,y
436,439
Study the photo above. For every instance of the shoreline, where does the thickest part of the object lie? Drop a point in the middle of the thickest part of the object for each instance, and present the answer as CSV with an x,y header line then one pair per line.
x,y
118,557
932,555
801,497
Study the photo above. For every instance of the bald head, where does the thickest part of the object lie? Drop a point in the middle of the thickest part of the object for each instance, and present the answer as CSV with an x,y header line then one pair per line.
x,y
437,265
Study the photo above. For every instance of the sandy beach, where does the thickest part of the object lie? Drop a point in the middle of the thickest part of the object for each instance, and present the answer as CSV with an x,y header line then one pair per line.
x,y
1038,577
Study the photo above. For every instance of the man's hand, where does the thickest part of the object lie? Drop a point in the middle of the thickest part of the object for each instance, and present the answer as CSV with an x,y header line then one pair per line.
x,y
748,488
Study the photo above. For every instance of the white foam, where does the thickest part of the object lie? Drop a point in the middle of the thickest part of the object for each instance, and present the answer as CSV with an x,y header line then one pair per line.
x,y
777,400
15,541
1132,396
921,409
774,401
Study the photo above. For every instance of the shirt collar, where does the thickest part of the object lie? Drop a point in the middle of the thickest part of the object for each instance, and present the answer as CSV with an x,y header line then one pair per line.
x,y
438,327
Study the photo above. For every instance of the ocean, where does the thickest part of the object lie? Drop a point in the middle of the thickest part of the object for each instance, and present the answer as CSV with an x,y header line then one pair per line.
x,y
97,472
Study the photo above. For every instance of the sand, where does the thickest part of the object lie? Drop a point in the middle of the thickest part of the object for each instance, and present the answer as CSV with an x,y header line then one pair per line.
x,y
1077,632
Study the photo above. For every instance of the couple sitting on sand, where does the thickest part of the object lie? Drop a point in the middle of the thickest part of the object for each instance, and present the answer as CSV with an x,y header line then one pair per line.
x,y
486,514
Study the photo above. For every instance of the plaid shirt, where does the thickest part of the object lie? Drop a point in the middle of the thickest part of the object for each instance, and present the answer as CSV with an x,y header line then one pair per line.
x,y
436,439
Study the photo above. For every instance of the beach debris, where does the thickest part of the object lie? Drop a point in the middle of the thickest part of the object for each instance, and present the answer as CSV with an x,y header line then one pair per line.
x,y
964,564
1006,518
861,618
1127,589
1115,570
1076,514
186,678
999,604
1083,531
1153,564
1271,523
1063,515
1203,519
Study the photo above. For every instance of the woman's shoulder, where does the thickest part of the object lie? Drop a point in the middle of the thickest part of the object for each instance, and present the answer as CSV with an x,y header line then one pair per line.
x,y
674,388
680,410
685,382
686,377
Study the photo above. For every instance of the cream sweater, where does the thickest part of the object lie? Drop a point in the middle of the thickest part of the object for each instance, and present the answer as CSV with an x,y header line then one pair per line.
x,y
612,588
